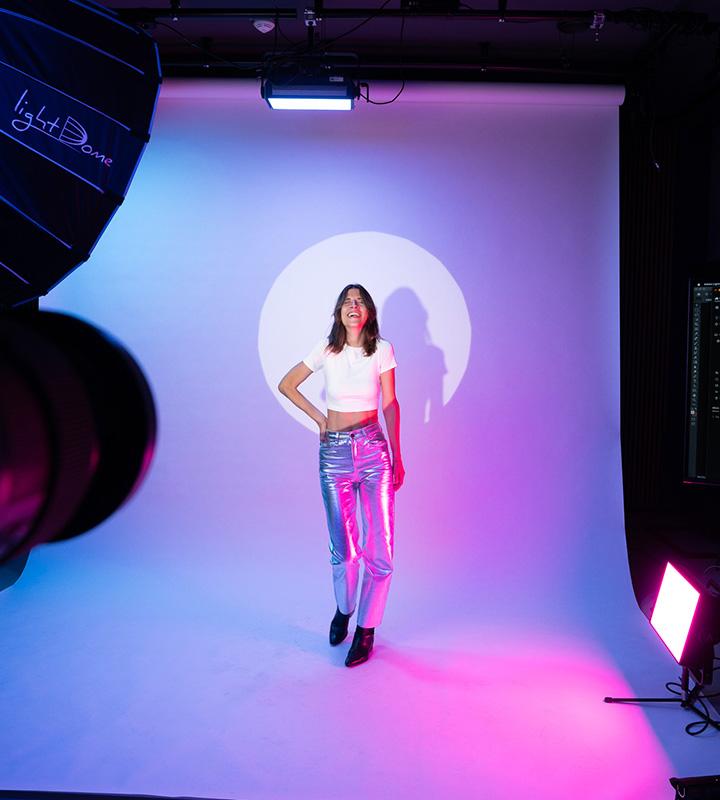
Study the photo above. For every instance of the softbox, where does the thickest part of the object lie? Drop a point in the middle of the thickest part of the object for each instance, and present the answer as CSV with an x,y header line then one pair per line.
x,y
78,89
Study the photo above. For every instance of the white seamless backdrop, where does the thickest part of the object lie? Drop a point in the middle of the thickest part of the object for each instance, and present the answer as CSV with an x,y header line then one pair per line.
x,y
181,648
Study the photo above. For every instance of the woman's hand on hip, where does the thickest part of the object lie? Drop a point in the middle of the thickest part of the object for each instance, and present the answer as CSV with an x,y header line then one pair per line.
x,y
322,424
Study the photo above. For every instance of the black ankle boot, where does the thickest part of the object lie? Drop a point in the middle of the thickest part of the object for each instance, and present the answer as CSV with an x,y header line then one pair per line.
x,y
339,627
361,646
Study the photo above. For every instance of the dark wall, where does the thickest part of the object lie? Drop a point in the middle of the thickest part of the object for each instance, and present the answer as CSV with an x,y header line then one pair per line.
x,y
714,204
670,197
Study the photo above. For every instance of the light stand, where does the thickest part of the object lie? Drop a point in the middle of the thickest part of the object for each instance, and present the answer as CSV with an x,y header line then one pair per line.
x,y
687,699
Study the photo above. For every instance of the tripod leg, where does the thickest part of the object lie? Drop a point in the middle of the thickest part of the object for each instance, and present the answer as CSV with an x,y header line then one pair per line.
x,y
642,700
686,700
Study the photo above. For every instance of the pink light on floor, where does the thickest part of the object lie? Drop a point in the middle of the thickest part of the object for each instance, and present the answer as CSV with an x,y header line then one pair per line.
x,y
674,610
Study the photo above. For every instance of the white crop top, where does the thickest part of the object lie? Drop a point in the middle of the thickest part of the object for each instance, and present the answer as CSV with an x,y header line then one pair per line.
x,y
352,379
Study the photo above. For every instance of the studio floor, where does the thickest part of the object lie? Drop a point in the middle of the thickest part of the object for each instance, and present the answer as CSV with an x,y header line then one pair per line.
x,y
136,673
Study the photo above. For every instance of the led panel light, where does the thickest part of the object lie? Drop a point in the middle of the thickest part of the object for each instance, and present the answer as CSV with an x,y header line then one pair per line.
x,y
310,103
674,610
308,92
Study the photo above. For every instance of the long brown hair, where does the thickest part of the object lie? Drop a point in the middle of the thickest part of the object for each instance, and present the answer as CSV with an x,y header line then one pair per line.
x,y
371,330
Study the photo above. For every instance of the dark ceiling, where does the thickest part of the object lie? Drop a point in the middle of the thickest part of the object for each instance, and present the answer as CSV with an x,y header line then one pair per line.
x,y
666,50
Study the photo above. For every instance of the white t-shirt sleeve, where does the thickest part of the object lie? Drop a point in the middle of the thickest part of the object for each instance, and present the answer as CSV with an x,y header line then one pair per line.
x,y
386,356
315,359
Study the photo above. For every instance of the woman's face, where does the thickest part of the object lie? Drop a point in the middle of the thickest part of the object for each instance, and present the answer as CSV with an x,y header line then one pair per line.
x,y
354,313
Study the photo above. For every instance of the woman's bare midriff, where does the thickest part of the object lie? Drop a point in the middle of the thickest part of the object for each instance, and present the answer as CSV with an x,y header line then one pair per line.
x,y
350,420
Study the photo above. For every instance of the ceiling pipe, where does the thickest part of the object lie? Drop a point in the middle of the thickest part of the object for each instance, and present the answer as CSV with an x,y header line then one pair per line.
x,y
686,20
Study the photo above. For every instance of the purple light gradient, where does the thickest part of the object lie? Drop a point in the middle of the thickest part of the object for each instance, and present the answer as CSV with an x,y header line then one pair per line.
x,y
182,649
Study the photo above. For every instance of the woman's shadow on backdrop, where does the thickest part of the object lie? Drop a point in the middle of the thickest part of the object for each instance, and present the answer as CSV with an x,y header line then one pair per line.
x,y
421,364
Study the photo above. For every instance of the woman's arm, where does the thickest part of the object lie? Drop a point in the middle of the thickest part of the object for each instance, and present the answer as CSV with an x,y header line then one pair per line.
x,y
288,386
391,411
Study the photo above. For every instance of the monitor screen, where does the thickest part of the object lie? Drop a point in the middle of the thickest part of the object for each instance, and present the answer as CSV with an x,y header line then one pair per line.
x,y
702,426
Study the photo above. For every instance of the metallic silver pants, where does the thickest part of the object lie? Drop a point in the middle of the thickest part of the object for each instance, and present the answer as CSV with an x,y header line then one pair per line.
x,y
353,462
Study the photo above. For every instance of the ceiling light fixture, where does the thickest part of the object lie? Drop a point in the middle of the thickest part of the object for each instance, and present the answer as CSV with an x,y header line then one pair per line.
x,y
329,92
310,81
317,82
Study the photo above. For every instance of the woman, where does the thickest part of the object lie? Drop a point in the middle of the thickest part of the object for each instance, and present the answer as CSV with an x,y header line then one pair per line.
x,y
354,459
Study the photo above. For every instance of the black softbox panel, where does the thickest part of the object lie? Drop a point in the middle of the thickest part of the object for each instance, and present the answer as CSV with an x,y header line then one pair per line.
x,y
78,89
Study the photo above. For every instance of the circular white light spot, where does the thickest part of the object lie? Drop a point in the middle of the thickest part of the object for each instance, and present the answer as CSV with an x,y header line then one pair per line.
x,y
419,304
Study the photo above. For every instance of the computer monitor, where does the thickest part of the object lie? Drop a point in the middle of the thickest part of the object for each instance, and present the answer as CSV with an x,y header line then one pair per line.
x,y
702,408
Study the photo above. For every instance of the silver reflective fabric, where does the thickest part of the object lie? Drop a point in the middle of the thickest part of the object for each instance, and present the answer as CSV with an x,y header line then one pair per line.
x,y
352,463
